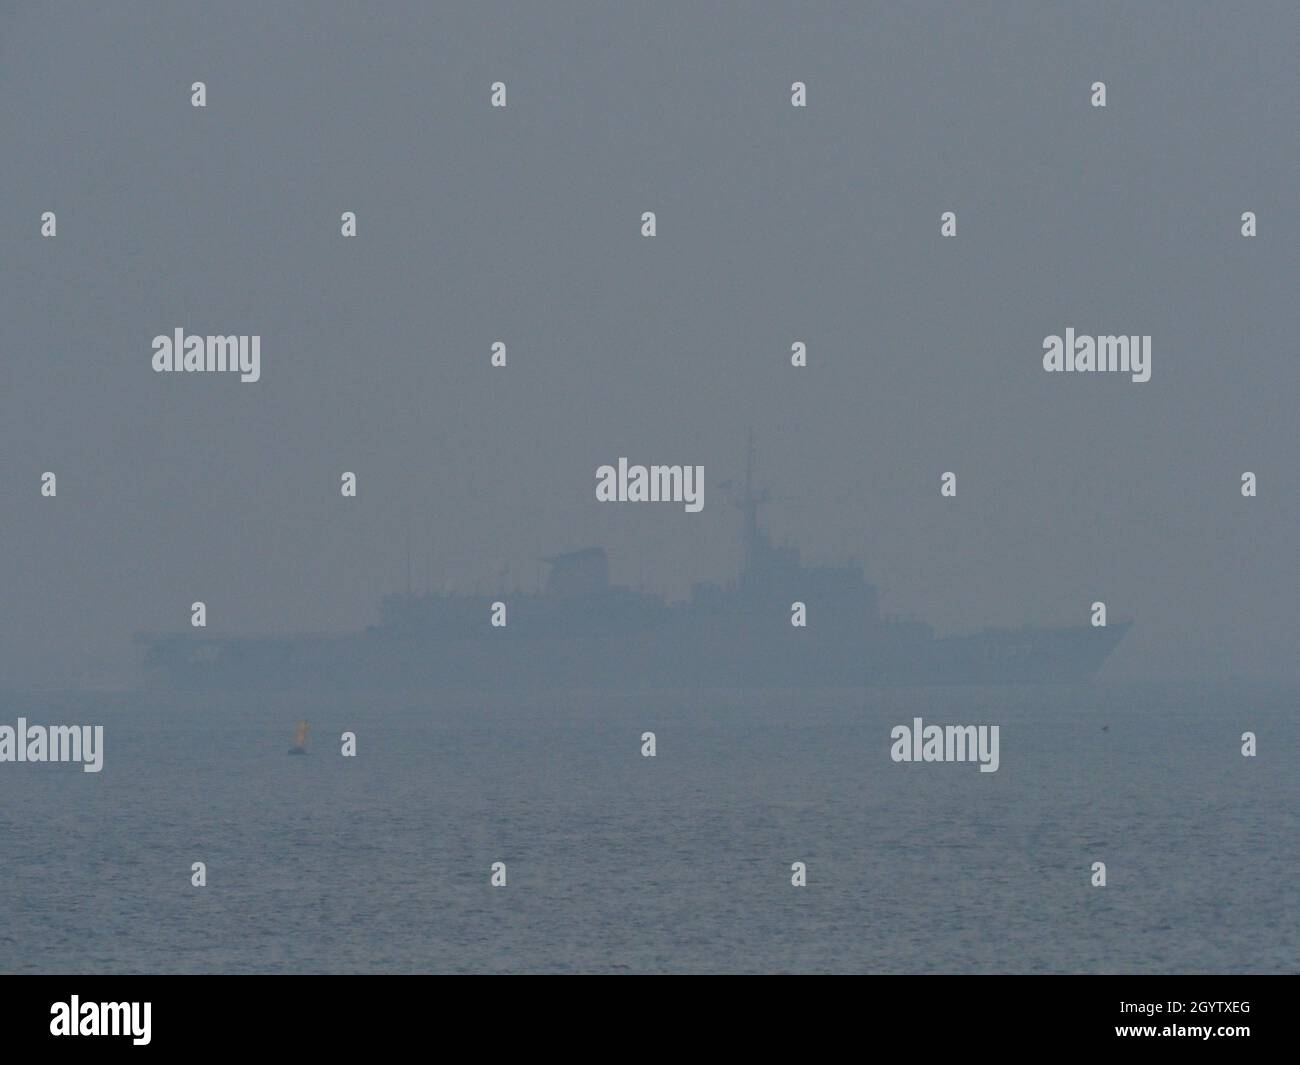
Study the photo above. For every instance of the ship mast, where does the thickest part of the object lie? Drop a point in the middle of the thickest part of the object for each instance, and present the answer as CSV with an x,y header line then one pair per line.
x,y
748,504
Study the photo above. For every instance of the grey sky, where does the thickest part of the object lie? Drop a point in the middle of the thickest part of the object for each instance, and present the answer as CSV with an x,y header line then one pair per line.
x,y
522,225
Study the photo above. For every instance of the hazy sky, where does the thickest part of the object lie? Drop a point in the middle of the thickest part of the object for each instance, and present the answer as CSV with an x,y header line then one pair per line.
x,y
774,224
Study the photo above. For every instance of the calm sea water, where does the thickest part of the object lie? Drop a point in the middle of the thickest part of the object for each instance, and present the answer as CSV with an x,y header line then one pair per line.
x,y
680,863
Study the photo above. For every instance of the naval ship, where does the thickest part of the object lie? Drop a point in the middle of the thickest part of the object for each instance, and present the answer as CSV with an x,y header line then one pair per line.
x,y
581,631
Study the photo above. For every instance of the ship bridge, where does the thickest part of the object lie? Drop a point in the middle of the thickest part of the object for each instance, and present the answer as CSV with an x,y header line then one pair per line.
x,y
578,573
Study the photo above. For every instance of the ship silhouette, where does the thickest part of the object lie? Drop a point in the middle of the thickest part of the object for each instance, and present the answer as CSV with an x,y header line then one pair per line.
x,y
582,631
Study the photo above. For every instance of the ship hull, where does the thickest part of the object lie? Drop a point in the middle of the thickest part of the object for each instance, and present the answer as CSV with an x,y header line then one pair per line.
x,y
705,656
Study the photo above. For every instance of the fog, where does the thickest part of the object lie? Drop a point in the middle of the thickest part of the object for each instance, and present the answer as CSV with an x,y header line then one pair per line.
x,y
775,224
